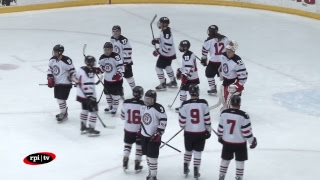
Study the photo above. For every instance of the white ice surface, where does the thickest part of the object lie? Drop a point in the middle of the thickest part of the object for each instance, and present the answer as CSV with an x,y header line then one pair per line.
x,y
280,51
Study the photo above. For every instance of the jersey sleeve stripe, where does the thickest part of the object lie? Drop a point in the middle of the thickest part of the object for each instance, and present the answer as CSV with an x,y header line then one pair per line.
x,y
188,66
248,125
182,122
249,136
72,69
207,119
241,70
182,116
220,126
127,48
207,114
163,119
119,65
246,132
164,50
88,83
127,58
168,44
88,94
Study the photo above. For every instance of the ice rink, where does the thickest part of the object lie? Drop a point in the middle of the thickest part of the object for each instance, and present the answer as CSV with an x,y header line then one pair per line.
x,y
282,94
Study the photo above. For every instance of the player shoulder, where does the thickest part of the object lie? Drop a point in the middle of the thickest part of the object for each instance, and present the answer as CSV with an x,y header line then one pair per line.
x,y
199,101
133,101
66,60
52,58
123,40
236,58
159,107
116,56
167,33
187,55
235,111
102,56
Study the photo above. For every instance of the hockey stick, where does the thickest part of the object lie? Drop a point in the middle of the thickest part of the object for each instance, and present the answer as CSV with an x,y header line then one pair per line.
x,y
155,16
144,129
93,108
170,106
215,132
100,97
171,138
105,88
75,85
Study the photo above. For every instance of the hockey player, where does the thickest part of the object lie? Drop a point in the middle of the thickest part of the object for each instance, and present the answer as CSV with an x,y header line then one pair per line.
x,y
122,46
166,53
188,73
86,95
131,114
111,65
215,44
234,74
194,118
234,131
60,75
153,124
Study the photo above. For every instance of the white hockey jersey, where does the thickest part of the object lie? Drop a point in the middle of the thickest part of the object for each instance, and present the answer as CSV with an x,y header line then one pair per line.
x,y
62,70
233,69
130,112
194,116
110,65
166,46
86,79
215,47
189,66
122,47
235,127
152,118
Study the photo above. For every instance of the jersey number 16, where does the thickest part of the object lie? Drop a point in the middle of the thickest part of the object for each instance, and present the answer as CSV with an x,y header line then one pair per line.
x,y
133,117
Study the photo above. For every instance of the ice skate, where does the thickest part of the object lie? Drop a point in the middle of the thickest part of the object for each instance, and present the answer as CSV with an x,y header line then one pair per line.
x,y
125,163
108,110
92,132
238,178
84,129
152,178
186,169
113,112
221,177
196,173
173,84
213,91
137,166
162,86
62,117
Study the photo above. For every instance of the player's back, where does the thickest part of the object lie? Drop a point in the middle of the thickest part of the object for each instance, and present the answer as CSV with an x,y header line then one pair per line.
x,y
216,47
131,114
86,79
232,121
194,114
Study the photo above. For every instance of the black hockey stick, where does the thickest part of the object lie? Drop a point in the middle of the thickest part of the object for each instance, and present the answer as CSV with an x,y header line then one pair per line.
x,y
100,97
75,85
215,132
84,54
105,88
155,16
170,106
144,129
171,138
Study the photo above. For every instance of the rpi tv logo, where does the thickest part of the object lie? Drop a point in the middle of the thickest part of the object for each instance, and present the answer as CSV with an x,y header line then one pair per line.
x,y
39,158
307,1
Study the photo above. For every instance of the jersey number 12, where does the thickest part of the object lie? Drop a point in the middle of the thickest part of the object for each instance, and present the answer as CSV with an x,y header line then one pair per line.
x,y
219,48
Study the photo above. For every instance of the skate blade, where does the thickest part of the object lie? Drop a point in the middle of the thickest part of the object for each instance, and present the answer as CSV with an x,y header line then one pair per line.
x,y
61,121
83,132
172,86
212,94
93,135
161,89
110,127
138,171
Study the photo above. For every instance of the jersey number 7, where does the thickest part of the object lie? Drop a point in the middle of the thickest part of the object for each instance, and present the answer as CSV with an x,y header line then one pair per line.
x,y
133,117
233,124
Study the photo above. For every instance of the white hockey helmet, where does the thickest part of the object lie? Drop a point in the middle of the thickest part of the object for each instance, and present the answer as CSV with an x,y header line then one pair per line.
x,y
232,45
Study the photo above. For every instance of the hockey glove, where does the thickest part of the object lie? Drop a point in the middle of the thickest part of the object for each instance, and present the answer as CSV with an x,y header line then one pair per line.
x,y
204,61
156,53
179,74
117,76
220,140
155,41
208,134
96,70
184,80
50,81
157,136
254,143
233,88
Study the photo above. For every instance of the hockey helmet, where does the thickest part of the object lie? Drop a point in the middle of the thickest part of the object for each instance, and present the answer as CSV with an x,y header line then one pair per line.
x,y
235,100
150,97
213,29
108,45
164,20
116,27
90,60
232,45
194,90
58,48
184,45
137,92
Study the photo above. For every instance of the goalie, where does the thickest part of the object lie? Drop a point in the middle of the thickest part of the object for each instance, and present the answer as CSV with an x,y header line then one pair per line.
x,y
234,74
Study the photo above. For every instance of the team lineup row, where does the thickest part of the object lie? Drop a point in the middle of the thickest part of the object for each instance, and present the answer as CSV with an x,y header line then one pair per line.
x,y
148,117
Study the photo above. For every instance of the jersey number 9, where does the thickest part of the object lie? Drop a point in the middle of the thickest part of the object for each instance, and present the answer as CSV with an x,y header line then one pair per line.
x,y
195,114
